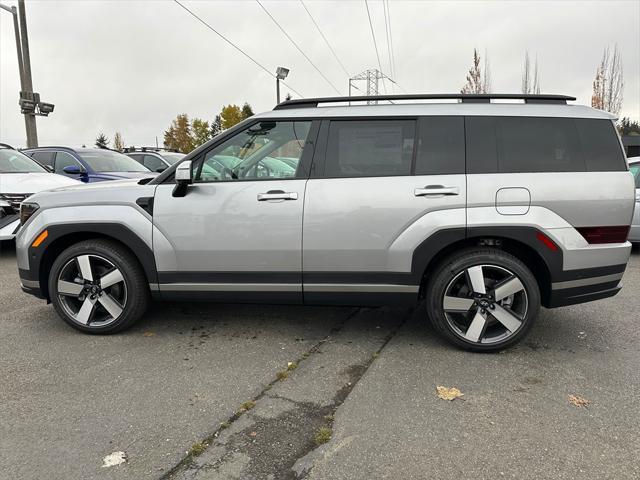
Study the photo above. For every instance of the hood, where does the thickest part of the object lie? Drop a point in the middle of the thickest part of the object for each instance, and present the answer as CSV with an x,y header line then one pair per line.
x,y
121,175
33,182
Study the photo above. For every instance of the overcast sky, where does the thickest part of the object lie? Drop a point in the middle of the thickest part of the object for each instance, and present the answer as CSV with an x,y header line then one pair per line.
x,y
132,66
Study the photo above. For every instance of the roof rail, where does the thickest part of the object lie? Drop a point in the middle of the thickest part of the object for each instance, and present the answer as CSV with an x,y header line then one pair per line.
x,y
149,149
464,97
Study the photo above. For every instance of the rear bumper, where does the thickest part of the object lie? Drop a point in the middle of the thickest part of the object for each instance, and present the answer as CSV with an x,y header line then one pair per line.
x,y
587,288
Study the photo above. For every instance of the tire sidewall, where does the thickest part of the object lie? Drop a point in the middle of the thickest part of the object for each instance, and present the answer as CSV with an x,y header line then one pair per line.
x,y
449,269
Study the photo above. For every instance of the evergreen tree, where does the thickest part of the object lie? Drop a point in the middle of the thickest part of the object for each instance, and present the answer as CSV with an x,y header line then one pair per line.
x,y
178,136
102,141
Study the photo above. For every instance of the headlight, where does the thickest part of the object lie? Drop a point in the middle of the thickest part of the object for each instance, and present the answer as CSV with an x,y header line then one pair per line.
x,y
27,210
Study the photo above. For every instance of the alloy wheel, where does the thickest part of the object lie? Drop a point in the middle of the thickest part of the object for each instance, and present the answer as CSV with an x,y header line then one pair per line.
x,y
485,304
91,290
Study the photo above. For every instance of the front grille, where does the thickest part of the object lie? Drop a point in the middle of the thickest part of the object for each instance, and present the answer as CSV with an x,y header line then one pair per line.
x,y
14,199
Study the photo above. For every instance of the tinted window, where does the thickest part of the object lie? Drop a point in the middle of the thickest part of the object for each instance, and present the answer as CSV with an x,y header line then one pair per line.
x,y
64,159
45,158
153,163
541,144
440,146
370,148
138,157
265,150
172,158
600,145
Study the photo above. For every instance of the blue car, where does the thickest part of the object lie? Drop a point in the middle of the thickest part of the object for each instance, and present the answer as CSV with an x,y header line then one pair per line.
x,y
89,164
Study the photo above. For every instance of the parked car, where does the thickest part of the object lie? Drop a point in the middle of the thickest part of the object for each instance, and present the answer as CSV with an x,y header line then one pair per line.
x,y
154,158
634,233
485,211
20,177
89,164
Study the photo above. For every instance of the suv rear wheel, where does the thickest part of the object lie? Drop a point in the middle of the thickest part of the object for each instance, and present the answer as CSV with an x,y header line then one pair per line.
x,y
482,299
98,286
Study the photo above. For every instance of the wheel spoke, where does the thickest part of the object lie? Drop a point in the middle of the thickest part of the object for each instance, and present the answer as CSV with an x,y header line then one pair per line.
x,y
476,327
86,311
476,277
457,304
506,318
110,305
511,286
111,278
69,288
84,265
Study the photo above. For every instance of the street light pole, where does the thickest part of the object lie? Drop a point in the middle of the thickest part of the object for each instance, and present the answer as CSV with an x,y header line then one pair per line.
x,y
277,90
281,74
24,67
29,118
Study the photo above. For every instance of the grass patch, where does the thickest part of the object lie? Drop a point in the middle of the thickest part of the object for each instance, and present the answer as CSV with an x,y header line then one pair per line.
x,y
198,448
292,365
328,418
224,425
282,375
246,406
323,435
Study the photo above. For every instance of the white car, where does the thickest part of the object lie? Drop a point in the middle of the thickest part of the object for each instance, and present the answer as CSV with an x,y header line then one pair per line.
x,y
20,177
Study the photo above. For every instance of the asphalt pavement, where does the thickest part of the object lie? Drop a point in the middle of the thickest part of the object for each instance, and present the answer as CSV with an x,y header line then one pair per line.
x,y
229,391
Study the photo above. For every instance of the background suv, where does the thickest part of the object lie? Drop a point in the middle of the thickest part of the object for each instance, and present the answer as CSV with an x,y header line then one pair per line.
x,y
89,164
20,177
154,158
485,211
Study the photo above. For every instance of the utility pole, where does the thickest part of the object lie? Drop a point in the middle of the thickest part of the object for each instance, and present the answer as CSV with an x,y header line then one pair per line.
x,y
30,104
372,77
29,118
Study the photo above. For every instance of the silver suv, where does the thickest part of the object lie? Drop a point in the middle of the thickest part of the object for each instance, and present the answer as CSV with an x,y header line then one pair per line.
x,y
484,209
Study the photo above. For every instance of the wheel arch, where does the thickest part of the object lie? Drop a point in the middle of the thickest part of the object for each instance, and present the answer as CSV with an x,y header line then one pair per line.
x,y
61,237
521,242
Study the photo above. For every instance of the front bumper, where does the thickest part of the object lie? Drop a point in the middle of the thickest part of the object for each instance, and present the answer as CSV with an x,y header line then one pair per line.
x,y
29,284
9,225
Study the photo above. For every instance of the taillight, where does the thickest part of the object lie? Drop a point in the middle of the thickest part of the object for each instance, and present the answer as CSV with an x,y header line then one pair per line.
x,y
617,234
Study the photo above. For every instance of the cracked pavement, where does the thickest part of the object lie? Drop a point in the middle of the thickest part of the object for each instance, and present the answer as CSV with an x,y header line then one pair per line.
x,y
179,377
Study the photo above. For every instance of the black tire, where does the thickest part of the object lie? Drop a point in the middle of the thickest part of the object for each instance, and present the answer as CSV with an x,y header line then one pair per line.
x,y
133,289
452,274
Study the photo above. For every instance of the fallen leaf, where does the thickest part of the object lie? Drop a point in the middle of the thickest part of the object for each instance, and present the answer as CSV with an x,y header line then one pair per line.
x,y
577,401
253,434
148,334
448,393
113,459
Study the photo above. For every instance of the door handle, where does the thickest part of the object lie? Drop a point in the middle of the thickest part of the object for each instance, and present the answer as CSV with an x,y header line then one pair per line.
x,y
277,195
436,190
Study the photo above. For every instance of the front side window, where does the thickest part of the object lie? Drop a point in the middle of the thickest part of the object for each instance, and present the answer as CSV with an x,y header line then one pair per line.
x,y
64,159
12,161
265,150
370,148
109,161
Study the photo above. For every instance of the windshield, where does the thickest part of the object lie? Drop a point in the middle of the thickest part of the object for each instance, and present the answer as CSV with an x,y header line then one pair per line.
x,y
12,161
108,161
172,158
635,169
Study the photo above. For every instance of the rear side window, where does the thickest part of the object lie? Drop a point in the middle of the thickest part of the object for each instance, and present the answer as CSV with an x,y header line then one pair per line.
x,y
45,158
440,146
541,144
600,145
370,148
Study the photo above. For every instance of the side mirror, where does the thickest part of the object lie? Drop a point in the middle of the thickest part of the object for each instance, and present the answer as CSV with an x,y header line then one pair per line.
x,y
72,169
184,178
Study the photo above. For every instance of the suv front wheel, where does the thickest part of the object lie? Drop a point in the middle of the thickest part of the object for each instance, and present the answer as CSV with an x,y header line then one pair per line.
x,y
98,286
482,299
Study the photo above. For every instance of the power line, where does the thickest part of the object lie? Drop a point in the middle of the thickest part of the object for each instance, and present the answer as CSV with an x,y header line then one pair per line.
x,y
393,52
375,44
386,28
296,45
236,47
324,38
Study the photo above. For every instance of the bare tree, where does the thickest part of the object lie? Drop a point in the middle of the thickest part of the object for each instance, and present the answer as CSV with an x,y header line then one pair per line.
x,y
477,81
118,142
608,85
530,83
